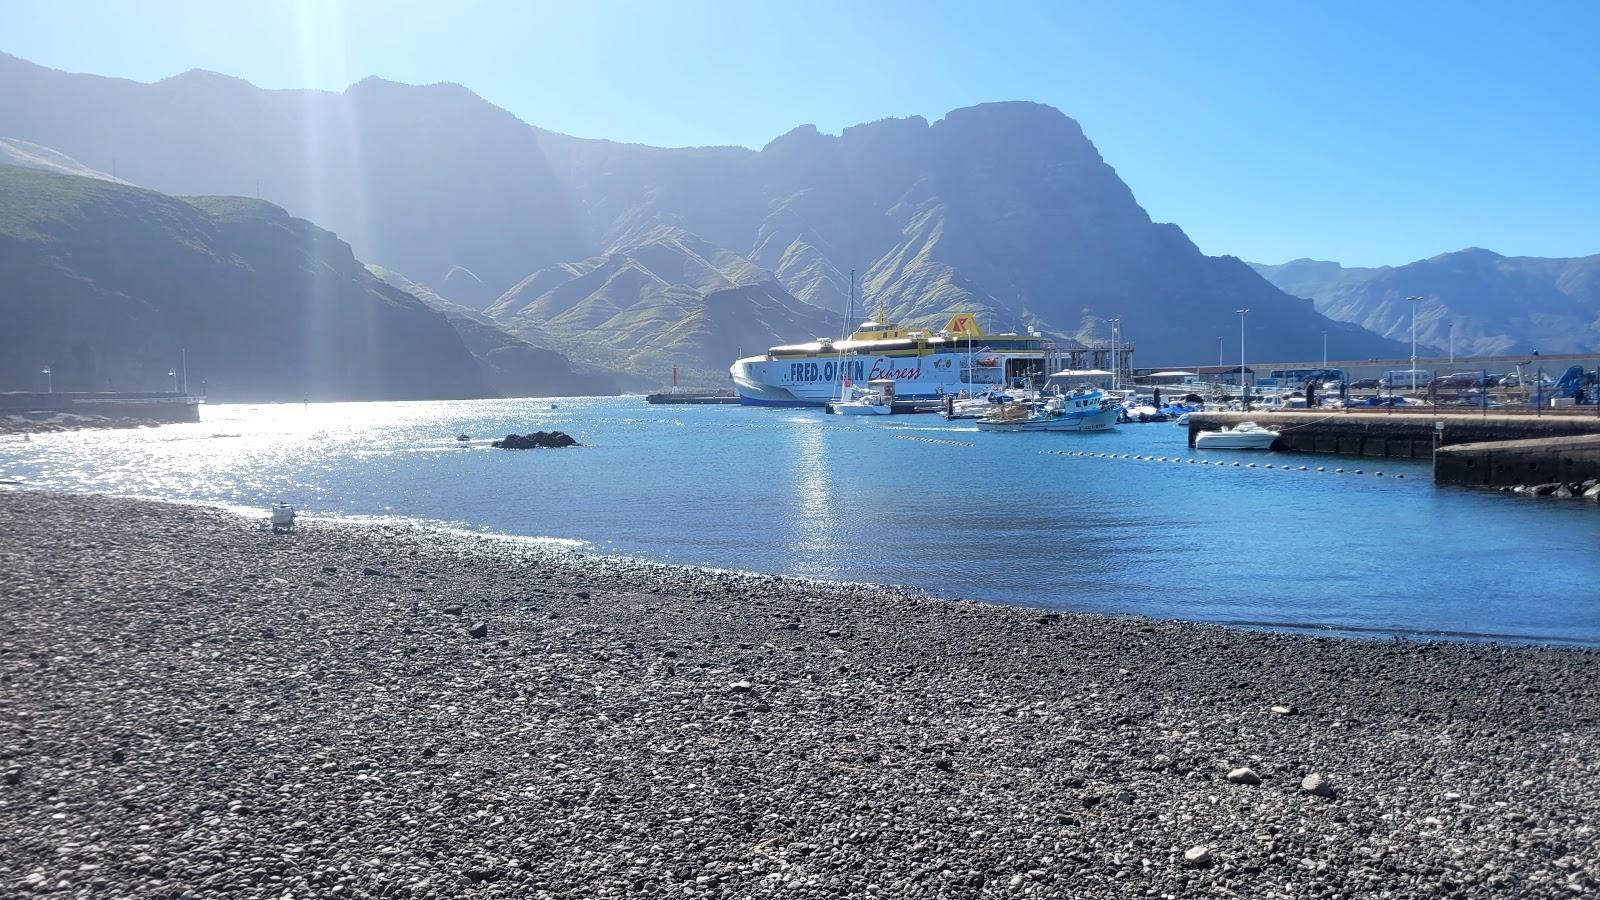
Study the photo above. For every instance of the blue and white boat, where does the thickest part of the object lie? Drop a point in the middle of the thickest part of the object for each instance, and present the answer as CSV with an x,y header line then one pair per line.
x,y
1076,411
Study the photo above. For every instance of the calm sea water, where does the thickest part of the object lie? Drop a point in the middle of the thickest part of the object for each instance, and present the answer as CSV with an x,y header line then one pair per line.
x,y
908,500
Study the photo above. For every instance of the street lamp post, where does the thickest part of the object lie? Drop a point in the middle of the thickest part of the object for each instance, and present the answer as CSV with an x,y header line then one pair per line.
x,y
1116,334
173,374
1324,349
49,384
1452,327
1412,379
1244,392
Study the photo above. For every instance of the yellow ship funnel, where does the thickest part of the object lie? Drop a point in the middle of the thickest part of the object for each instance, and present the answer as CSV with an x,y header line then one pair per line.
x,y
963,325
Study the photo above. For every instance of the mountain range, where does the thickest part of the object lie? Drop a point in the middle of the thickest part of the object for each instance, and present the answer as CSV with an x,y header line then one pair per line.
x,y
112,287
1480,302
638,258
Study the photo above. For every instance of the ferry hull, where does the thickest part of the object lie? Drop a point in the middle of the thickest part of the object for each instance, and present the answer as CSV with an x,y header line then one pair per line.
x,y
816,381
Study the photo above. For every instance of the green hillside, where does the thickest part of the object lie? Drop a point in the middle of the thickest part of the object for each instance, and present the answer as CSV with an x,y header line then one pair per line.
x,y
108,284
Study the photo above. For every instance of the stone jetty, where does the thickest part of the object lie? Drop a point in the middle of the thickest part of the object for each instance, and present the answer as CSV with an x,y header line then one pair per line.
x,y
1407,435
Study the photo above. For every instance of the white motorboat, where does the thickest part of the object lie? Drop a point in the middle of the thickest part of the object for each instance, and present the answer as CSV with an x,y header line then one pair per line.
x,y
876,400
1243,436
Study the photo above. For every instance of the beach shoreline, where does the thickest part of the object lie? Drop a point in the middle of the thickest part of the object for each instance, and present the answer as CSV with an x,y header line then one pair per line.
x,y
194,704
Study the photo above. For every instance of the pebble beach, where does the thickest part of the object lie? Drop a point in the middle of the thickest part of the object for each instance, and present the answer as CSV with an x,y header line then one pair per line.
x,y
191,706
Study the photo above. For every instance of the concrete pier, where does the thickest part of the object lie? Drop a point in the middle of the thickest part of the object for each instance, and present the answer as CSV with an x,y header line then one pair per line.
x,y
1564,460
1406,435
692,398
158,406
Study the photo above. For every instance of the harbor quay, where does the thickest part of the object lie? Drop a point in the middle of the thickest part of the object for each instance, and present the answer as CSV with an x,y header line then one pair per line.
x,y
1472,449
158,406
1560,461
1407,435
1356,370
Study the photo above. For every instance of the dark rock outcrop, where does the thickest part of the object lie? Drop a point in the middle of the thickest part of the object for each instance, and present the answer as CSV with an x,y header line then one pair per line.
x,y
536,440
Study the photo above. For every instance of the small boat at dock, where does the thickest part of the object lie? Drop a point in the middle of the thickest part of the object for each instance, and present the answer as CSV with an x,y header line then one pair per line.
x,y
1243,436
876,400
1077,411
981,405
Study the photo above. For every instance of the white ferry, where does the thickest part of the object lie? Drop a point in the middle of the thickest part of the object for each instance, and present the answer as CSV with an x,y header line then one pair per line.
x,y
923,365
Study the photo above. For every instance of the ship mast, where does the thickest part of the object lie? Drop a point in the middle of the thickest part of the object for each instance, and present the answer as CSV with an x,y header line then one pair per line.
x,y
849,306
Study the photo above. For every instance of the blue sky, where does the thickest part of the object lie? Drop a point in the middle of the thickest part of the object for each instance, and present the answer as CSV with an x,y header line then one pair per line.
x,y
1368,133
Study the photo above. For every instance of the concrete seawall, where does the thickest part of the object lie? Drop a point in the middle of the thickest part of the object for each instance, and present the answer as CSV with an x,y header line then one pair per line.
x,y
1509,463
161,407
1408,435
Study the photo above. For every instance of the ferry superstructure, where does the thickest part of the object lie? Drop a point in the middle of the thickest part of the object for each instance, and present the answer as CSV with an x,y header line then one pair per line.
x,y
924,365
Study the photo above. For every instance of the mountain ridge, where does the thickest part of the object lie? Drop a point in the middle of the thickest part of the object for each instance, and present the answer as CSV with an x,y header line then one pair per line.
x,y
1476,299
1005,209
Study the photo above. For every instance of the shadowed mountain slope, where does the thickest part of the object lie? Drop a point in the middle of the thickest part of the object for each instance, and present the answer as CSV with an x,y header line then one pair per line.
x,y
107,283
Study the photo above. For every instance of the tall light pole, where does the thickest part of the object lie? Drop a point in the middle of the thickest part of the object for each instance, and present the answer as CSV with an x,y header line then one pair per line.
x,y
1116,333
1244,393
1324,349
173,374
1220,363
1452,327
1413,377
49,384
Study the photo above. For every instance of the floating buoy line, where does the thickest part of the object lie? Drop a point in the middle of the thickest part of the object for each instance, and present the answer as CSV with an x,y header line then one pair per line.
x,y
1198,461
1088,454
928,440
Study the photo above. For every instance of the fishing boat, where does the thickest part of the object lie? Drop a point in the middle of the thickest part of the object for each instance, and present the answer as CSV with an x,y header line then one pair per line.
x,y
1243,436
876,400
1077,411
965,407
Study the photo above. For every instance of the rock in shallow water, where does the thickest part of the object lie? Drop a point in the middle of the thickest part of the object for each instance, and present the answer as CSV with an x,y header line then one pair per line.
x,y
536,440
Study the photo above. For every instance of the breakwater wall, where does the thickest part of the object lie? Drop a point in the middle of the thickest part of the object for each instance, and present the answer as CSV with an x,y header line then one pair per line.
x,y
1408,435
161,407
1548,460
